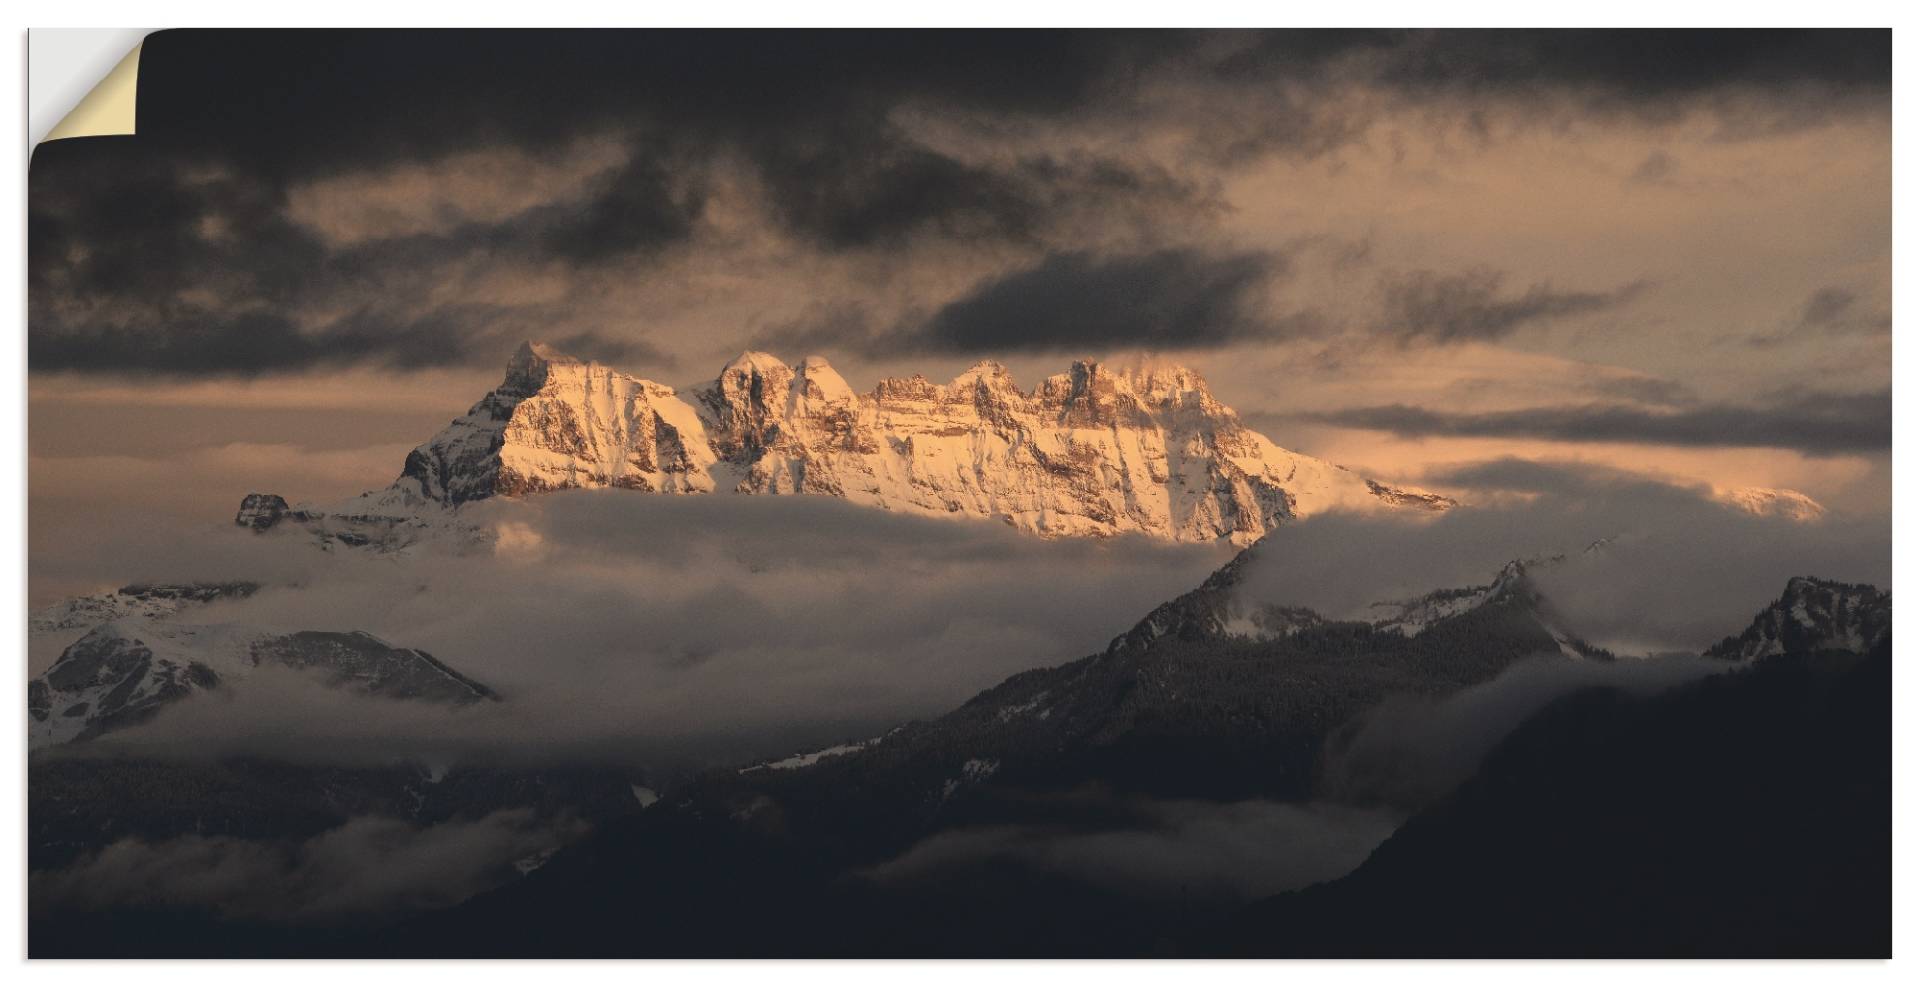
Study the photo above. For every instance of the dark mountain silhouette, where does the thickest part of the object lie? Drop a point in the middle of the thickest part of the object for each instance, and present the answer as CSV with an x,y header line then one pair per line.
x,y
1745,815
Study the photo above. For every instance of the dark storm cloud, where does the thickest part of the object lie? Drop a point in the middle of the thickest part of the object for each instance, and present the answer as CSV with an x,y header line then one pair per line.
x,y
330,99
204,343
248,343
1752,81
808,111
858,192
143,261
134,263
187,340
450,335
306,102
1426,306
180,274
125,275
1176,298
1180,298
320,99
843,195
817,121
1816,424
1642,68
636,209
112,216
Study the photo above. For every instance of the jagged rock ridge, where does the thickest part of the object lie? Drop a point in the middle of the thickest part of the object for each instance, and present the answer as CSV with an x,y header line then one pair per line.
x,y
1093,451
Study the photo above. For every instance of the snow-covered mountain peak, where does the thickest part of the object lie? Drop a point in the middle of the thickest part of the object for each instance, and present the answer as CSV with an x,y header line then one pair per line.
x,y
530,365
816,386
1778,502
753,364
1172,385
1098,450
990,374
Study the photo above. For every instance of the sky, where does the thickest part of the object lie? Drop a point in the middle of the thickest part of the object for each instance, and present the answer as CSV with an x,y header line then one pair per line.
x,y
1577,279
1413,253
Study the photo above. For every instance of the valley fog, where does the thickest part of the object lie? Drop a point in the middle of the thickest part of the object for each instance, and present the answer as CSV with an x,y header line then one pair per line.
x,y
664,631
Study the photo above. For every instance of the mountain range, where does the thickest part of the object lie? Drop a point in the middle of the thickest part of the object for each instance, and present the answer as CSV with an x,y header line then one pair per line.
x,y
1212,698
1094,451
1189,706
1569,817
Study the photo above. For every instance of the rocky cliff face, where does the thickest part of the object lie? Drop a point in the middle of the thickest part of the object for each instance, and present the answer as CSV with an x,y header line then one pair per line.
x,y
1093,451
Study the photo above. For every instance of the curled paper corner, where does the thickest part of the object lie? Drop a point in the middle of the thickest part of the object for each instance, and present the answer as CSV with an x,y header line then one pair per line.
x,y
108,109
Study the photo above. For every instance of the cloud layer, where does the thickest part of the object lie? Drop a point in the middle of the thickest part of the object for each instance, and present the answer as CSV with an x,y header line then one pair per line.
x,y
1426,306
666,631
1205,853
1678,571
1817,424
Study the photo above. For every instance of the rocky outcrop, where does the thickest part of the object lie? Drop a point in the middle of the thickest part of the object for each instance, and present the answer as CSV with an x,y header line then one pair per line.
x,y
1094,451
262,511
